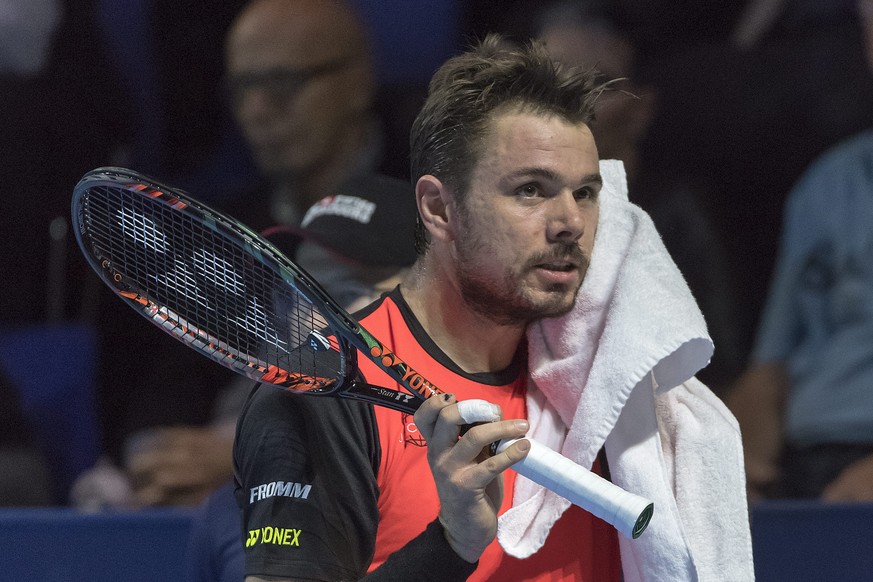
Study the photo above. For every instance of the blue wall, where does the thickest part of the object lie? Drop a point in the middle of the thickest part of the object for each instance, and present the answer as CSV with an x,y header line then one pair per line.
x,y
792,541
61,545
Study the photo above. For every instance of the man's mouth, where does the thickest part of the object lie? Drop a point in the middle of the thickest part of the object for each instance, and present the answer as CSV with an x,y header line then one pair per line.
x,y
563,266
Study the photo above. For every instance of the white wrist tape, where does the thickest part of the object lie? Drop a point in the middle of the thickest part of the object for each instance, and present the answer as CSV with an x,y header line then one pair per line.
x,y
478,411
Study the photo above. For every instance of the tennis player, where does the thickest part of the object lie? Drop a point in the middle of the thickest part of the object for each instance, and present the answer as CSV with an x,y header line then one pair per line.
x,y
507,184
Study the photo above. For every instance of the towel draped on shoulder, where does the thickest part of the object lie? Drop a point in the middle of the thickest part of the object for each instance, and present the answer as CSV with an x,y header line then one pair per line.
x,y
617,373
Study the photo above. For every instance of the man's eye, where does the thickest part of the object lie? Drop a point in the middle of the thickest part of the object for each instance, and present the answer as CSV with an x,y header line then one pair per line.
x,y
528,191
585,194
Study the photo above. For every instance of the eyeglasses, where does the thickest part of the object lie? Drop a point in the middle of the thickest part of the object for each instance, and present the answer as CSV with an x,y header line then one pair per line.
x,y
280,85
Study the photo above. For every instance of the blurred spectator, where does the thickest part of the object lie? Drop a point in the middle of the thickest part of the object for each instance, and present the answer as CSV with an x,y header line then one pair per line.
x,y
805,405
189,138
583,33
355,241
743,114
299,75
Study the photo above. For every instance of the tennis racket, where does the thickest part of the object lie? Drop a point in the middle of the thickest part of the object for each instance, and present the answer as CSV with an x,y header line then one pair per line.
x,y
224,291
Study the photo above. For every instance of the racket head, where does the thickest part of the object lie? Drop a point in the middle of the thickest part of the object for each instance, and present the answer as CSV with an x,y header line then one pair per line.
x,y
212,283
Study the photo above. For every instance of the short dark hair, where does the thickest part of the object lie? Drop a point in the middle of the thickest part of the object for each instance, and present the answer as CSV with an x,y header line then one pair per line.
x,y
466,91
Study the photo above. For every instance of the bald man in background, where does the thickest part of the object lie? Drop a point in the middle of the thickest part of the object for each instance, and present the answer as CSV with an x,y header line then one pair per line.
x,y
302,88
300,81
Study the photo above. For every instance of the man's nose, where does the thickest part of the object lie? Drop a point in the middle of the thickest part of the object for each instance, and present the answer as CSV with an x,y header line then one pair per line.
x,y
566,222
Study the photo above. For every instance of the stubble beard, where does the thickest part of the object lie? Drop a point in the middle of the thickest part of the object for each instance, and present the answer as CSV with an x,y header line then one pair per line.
x,y
507,301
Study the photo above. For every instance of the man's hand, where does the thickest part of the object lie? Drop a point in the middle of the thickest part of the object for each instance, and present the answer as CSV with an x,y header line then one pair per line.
x,y
757,400
468,480
854,483
179,465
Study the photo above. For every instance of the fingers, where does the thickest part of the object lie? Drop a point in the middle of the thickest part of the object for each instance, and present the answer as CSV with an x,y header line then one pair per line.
x,y
427,414
482,435
442,419
468,481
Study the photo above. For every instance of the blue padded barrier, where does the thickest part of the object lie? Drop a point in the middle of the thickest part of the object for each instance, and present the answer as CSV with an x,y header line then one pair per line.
x,y
796,541
62,545
814,541
54,368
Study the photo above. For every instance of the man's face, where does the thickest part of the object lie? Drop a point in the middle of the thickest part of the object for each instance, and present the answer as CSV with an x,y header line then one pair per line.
x,y
526,227
294,94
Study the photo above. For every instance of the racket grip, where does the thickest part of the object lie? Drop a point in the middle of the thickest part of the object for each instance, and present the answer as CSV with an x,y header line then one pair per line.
x,y
627,512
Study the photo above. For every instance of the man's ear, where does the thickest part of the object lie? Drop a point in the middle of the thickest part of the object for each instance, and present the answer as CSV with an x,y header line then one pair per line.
x,y
435,207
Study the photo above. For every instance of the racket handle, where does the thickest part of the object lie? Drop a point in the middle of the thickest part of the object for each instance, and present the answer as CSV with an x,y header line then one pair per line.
x,y
627,512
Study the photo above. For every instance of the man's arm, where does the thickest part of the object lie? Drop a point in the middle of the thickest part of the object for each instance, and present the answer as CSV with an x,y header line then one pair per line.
x,y
426,558
854,483
179,465
757,399
306,484
468,480
329,444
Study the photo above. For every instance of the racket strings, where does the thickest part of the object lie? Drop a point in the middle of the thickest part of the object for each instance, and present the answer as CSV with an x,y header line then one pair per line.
x,y
205,286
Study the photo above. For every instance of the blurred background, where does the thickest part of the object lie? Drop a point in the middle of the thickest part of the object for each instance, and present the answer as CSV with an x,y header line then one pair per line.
x,y
725,106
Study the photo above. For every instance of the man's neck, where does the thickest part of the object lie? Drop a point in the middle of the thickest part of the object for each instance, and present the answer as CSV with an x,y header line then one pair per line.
x,y
472,341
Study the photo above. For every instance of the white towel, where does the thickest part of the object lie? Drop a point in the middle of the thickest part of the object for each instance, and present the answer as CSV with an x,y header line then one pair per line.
x,y
617,372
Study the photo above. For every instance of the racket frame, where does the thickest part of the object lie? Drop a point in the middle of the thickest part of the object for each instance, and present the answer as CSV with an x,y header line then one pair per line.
x,y
350,336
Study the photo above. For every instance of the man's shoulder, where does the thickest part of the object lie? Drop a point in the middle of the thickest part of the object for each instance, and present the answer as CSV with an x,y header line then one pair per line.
x,y
269,401
843,159
277,425
386,311
860,144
